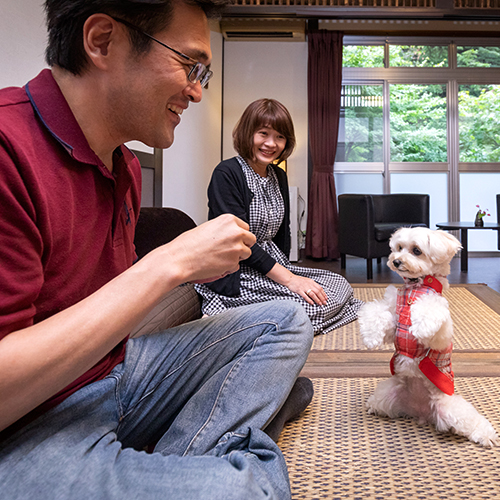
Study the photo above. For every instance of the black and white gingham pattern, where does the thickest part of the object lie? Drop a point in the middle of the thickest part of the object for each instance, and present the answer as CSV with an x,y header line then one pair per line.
x,y
267,208
266,214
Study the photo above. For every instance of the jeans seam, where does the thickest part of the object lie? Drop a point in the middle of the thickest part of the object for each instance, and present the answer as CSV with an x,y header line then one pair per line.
x,y
119,406
152,391
216,402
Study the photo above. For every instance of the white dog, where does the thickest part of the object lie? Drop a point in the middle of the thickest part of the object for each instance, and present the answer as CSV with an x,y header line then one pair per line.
x,y
417,320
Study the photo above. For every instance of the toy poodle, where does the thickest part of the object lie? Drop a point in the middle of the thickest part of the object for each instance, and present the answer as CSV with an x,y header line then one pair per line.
x,y
416,319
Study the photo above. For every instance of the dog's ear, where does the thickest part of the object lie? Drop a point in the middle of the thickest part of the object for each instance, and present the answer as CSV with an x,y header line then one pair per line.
x,y
443,246
396,238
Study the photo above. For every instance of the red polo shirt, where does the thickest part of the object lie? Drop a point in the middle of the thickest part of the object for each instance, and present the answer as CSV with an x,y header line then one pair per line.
x,y
66,223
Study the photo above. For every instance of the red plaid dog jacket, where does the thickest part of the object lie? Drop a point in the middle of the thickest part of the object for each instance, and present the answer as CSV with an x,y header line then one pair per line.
x,y
435,365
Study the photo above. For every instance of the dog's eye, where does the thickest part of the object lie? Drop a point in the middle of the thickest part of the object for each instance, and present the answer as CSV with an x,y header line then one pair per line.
x,y
400,248
417,251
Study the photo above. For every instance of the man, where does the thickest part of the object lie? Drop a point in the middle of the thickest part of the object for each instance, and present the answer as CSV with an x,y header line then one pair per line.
x,y
79,402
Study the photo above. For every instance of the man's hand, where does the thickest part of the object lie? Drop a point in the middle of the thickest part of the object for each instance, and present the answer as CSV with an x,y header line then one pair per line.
x,y
210,251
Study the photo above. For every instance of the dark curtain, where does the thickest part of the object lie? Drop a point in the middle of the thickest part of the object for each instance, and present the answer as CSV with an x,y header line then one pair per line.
x,y
324,81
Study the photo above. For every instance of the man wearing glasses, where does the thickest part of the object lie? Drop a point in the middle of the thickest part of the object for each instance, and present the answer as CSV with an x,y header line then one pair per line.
x,y
78,401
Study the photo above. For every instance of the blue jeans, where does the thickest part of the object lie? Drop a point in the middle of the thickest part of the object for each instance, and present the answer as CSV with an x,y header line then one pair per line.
x,y
201,391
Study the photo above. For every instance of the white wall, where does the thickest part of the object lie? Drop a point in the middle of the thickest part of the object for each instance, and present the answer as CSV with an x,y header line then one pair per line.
x,y
189,162
22,41
277,70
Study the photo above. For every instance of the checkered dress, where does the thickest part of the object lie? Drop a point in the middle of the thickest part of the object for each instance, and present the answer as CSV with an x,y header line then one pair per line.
x,y
435,365
266,215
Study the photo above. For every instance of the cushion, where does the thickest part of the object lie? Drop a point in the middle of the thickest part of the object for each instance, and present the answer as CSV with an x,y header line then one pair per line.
x,y
180,305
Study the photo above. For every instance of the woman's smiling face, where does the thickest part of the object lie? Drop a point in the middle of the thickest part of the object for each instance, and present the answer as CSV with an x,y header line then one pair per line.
x,y
268,144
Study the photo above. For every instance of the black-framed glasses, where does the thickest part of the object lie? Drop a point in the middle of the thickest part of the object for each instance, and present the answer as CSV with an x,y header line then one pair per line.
x,y
198,71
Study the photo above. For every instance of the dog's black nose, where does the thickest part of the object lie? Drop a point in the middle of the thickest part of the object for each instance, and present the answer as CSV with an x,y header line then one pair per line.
x,y
396,263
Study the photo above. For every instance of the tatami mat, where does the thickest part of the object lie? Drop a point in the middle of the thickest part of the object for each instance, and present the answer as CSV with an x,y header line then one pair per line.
x,y
476,325
335,450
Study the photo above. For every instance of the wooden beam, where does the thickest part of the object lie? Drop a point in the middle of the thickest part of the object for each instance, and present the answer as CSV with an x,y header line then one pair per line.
x,y
362,364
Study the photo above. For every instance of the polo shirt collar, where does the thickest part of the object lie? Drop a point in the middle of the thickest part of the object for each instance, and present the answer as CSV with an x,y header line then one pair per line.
x,y
54,112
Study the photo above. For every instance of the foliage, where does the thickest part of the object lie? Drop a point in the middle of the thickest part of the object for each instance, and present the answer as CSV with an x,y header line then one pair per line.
x,y
479,123
421,56
478,57
363,56
418,123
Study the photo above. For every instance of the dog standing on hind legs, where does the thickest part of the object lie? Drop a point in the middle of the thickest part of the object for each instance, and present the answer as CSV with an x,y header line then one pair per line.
x,y
417,320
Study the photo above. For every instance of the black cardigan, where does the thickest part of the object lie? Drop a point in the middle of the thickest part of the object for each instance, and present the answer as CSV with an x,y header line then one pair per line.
x,y
228,192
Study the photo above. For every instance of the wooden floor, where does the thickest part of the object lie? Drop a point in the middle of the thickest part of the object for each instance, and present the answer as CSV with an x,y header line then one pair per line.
x,y
481,270
367,364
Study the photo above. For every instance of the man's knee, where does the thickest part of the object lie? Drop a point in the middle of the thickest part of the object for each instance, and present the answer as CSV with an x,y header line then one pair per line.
x,y
292,318
297,316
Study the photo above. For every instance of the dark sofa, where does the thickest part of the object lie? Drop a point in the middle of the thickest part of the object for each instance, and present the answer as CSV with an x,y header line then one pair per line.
x,y
155,227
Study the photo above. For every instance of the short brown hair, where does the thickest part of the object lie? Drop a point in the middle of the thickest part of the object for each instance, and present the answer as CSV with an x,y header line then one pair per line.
x,y
263,113
66,18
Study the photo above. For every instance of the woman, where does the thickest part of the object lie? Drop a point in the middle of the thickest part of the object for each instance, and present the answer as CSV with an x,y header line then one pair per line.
x,y
251,187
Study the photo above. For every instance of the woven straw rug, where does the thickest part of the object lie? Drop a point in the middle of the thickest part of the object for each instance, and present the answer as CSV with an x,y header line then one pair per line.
x,y
335,450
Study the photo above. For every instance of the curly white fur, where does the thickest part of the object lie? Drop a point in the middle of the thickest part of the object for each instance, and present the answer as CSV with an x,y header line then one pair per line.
x,y
418,252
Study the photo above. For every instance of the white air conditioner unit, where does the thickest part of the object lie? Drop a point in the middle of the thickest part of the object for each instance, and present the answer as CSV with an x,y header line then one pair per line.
x,y
264,30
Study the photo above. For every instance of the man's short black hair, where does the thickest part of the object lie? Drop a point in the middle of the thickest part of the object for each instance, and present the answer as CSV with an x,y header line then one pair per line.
x,y
65,20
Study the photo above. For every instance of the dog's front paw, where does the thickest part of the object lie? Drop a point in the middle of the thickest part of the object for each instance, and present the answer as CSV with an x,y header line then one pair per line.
x,y
372,407
373,342
376,324
431,322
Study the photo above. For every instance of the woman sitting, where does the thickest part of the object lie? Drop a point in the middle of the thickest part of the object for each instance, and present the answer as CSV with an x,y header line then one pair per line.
x,y
254,189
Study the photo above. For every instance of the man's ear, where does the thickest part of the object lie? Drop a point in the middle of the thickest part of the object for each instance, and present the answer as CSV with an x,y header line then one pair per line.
x,y
100,33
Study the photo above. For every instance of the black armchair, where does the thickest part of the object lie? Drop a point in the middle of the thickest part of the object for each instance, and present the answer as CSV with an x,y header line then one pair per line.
x,y
367,221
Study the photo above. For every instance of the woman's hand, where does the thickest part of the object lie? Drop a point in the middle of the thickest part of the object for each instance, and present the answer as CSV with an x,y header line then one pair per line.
x,y
307,288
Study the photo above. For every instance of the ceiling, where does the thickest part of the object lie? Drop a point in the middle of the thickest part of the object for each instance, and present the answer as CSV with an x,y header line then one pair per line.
x,y
479,18
373,9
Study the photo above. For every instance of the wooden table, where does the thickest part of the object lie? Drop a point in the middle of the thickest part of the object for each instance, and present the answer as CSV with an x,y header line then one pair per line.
x,y
464,227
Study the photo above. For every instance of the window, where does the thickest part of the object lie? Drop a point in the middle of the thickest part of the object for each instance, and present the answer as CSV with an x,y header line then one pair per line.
x,y
418,123
363,56
478,57
420,56
426,118
361,125
479,123
479,189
